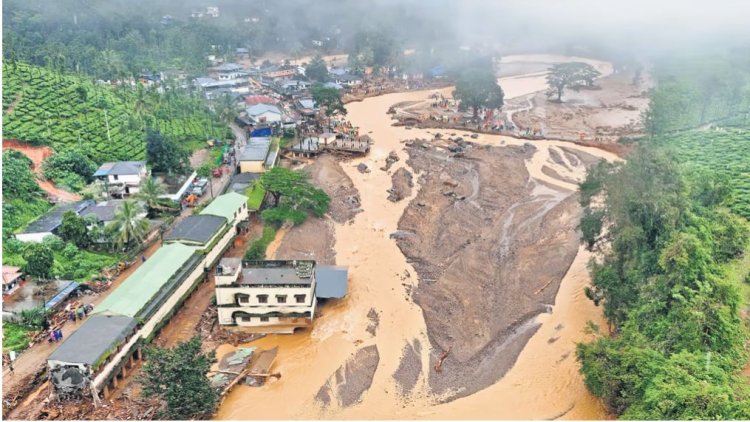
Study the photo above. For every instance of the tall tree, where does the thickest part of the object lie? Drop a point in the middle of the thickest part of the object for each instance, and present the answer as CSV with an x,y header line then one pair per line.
x,y
563,75
149,193
477,88
128,225
39,260
328,98
165,155
73,229
179,377
294,196
317,69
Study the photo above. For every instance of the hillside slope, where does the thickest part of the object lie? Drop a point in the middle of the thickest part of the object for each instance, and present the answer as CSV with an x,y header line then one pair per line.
x,y
45,107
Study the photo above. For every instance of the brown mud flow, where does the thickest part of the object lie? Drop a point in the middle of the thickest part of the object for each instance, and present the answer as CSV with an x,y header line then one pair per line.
x,y
494,268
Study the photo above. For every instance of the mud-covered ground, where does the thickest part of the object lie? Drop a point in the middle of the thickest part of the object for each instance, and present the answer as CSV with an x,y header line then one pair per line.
x,y
612,110
490,246
314,238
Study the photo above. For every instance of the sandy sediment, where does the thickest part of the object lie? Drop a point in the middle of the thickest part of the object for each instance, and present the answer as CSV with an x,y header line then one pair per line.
x,y
485,238
347,385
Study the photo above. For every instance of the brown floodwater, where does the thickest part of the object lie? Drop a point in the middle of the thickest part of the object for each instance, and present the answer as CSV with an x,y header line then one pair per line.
x,y
543,383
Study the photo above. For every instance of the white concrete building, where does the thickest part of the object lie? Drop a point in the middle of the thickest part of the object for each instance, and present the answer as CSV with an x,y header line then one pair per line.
x,y
266,296
122,178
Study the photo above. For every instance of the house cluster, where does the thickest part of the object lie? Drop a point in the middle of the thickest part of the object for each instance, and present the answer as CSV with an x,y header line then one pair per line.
x,y
209,11
104,347
118,181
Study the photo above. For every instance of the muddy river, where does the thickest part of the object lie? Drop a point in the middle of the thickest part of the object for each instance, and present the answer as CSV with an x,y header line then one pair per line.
x,y
543,383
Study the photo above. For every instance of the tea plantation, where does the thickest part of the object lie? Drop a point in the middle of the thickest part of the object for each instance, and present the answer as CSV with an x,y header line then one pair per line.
x,y
44,107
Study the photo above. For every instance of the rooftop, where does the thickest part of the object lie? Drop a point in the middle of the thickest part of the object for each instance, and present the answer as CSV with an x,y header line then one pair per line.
x,y
256,149
138,290
278,273
92,340
197,228
120,168
104,211
242,181
225,205
53,218
10,273
229,67
330,282
262,108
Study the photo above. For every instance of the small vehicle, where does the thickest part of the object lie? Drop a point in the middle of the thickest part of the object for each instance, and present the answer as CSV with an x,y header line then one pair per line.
x,y
199,187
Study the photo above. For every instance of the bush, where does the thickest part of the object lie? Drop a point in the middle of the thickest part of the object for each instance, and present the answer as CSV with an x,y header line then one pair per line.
x,y
257,250
15,337
34,318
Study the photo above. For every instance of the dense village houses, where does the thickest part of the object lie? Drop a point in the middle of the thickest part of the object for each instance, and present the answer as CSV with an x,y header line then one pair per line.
x,y
264,113
48,223
103,349
122,178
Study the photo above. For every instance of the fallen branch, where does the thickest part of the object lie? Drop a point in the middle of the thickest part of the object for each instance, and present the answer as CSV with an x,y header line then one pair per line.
x,y
544,287
439,364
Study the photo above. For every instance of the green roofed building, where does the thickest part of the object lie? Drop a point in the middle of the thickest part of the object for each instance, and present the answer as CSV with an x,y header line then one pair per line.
x,y
231,206
152,283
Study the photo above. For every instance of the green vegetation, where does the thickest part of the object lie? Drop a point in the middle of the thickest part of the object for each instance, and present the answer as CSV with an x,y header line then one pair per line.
x,y
294,198
477,88
128,225
179,377
71,169
317,70
165,155
103,122
697,90
328,98
671,284
255,195
39,259
23,201
15,337
257,249
73,229
566,75
34,318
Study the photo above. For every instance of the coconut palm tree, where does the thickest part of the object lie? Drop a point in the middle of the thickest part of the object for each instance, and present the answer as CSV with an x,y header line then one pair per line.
x,y
149,193
128,225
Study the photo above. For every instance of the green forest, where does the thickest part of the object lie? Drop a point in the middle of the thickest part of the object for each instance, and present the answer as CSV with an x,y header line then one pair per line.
x,y
45,107
672,283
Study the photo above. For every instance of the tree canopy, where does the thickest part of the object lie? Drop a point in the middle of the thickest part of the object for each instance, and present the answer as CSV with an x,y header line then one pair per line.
x,y
317,70
564,75
164,155
74,229
39,260
477,88
329,98
294,197
179,377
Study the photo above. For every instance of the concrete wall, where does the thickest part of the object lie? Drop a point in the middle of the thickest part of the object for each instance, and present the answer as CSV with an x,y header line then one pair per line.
x,y
32,237
226,295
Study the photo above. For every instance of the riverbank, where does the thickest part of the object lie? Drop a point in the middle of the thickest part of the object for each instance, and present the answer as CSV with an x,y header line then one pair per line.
x,y
381,283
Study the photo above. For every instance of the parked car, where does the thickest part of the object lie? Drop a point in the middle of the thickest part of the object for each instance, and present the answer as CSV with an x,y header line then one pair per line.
x,y
199,187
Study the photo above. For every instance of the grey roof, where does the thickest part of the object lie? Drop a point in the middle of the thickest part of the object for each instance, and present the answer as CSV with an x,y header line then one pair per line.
x,y
256,149
242,181
273,155
94,338
229,67
333,85
262,108
104,211
120,168
306,102
330,282
52,219
197,228
279,276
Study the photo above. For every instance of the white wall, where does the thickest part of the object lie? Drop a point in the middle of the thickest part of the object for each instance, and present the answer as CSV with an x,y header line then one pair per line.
x,y
130,179
225,295
33,237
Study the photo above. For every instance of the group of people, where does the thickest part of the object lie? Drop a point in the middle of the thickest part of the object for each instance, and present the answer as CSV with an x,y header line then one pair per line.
x,y
79,313
55,335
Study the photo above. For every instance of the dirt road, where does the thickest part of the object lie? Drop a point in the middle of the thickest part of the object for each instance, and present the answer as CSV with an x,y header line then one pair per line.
x,y
543,382
37,156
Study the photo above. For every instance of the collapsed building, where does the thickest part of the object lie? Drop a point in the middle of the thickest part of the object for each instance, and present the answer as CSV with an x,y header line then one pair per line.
x,y
100,353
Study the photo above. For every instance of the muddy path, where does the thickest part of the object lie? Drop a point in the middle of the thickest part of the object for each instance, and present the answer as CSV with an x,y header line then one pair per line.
x,y
542,382
37,155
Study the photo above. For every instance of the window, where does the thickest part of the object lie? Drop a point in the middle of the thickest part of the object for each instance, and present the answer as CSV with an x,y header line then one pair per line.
x,y
242,298
264,319
262,298
281,298
245,319
300,298
115,177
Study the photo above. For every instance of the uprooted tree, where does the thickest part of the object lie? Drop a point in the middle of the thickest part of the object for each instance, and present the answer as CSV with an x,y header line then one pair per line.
x,y
564,75
328,98
293,196
179,377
